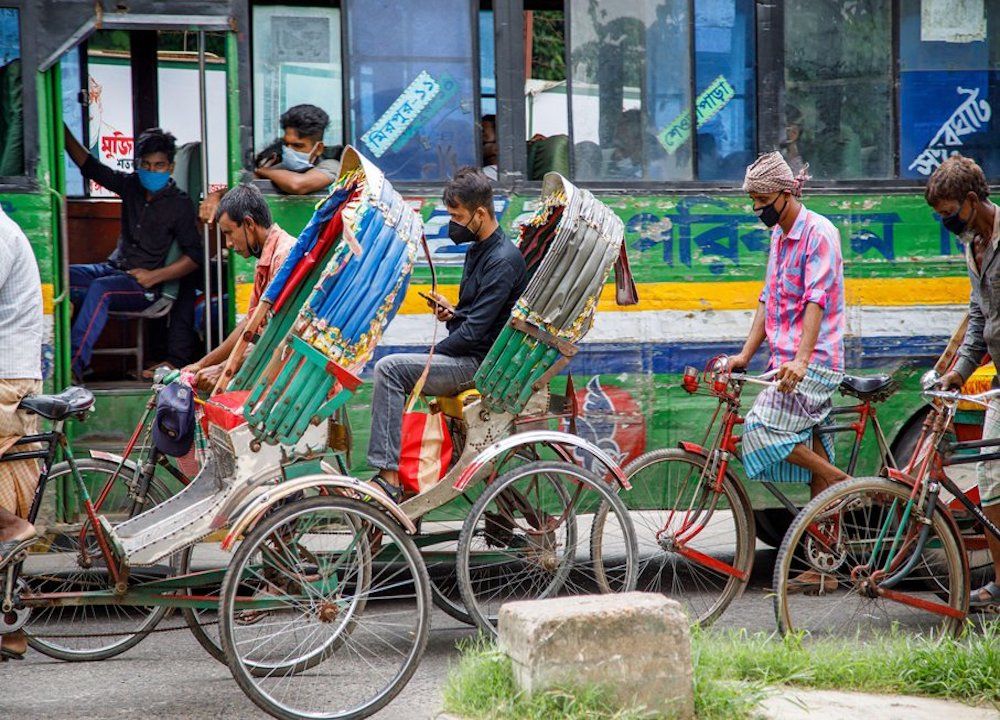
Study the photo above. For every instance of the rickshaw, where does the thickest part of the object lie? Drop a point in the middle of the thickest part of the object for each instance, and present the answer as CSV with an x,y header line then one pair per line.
x,y
304,568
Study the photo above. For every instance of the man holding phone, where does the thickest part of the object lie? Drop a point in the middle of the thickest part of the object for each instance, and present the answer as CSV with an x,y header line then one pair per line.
x,y
493,278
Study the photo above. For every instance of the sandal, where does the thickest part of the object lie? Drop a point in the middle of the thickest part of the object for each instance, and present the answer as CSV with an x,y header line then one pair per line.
x,y
811,582
992,590
8,654
394,492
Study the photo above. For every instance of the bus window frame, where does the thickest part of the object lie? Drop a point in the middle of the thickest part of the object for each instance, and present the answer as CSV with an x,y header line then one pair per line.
x,y
477,124
28,180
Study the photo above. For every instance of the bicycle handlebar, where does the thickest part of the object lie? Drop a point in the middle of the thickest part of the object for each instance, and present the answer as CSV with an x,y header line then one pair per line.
x,y
954,396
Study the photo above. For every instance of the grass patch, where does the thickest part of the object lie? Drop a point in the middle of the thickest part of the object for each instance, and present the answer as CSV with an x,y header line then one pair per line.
x,y
732,671
965,669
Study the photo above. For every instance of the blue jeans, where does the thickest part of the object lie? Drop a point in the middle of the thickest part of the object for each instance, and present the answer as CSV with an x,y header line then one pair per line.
x,y
395,377
95,289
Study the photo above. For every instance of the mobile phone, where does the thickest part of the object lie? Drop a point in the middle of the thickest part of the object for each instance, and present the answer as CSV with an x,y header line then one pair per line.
x,y
431,300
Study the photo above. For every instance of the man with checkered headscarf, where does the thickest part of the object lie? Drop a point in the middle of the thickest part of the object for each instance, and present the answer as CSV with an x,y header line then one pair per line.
x,y
800,312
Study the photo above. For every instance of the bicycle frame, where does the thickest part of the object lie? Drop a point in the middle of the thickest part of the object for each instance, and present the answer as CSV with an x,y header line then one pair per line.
x,y
924,474
725,445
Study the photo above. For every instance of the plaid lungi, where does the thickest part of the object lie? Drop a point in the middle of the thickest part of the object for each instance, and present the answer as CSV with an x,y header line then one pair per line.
x,y
988,473
18,480
779,421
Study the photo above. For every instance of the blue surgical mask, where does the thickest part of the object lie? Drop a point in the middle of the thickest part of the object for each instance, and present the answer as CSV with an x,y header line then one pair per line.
x,y
294,160
154,181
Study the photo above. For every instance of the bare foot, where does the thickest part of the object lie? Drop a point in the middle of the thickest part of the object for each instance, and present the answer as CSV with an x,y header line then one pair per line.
x,y
15,528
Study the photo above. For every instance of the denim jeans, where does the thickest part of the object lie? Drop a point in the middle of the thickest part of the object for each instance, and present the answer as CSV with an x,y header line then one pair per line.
x,y
95,289
395,376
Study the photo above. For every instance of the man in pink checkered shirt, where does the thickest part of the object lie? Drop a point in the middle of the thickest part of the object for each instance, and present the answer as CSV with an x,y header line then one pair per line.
x,y
801,314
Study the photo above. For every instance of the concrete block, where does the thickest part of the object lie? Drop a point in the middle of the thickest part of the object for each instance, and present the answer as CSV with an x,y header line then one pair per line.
x,y
637,645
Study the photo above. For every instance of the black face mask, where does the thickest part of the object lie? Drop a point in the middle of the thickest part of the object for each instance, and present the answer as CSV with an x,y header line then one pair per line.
x,y
768,215
954,223
461,234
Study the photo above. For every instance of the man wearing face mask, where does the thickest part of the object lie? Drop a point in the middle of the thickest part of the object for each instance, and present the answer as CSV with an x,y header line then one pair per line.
x,y
493,278
299,167
959,193
800,312
154,214
245,220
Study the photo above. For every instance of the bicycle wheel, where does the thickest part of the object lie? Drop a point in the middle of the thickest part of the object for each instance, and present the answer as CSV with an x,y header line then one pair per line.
x,y
521,540
58,563
341,592
696,542
438,536
830,572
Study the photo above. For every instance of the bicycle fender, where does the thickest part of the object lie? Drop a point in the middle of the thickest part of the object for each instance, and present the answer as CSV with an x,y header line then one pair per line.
x,y
693,448
554,437
251,511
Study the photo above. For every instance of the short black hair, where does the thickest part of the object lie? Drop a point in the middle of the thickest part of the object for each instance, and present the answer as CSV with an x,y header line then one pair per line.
x,y
155,140
243,201
469,188
954,179
307,120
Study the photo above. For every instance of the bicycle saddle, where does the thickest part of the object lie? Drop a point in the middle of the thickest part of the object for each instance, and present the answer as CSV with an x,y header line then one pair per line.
x,y
874,387
71,401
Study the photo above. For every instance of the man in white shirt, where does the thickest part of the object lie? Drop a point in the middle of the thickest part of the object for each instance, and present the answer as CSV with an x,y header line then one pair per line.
x,y
20,375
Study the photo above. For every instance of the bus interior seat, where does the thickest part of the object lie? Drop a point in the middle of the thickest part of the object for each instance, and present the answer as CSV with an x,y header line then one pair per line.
x,y
548,154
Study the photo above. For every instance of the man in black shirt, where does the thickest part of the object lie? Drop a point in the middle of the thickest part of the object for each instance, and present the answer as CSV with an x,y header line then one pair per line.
x,y
155,214
493,278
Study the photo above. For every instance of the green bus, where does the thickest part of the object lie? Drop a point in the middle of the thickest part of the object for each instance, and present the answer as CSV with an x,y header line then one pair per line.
x,y
656,106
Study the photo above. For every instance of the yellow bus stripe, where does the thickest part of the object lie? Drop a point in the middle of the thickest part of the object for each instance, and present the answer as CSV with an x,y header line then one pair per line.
x,y
722,295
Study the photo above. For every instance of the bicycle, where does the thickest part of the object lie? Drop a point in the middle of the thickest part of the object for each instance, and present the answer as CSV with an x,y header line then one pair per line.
x,y
692,512
889,549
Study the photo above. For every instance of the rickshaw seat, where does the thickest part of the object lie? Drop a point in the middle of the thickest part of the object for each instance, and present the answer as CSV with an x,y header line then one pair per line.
x,y
454,406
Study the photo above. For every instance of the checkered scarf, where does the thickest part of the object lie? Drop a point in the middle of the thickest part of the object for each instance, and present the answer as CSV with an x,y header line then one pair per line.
x,y
770,173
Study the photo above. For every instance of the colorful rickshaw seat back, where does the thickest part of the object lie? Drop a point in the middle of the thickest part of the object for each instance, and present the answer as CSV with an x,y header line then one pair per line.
x,y
569,246
331,299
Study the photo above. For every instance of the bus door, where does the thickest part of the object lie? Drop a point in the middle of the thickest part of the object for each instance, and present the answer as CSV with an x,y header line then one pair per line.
x,y
108,76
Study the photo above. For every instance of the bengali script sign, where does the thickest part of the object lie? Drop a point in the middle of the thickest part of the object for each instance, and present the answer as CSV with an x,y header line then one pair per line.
x,y
401,114
968,118
711,101
116,145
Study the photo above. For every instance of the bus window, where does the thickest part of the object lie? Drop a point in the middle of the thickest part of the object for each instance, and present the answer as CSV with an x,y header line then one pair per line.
x,y
296,60
726,103
412,99
487,64
838,87
631,91
11,107
546,98
949,86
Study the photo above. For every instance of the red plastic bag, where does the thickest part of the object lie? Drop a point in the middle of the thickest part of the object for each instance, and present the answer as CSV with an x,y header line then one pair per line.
x,y
425,454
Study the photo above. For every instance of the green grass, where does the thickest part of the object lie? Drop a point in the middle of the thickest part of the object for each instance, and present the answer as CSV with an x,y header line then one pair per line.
x,y
966,669
733,671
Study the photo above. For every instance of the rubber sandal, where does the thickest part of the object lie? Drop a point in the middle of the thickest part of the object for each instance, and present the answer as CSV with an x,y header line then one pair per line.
x,y
8,654
393,492
815,587
992,589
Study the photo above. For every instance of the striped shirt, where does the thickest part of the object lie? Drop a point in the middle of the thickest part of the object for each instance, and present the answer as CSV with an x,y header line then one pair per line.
x,y
805,267
20,305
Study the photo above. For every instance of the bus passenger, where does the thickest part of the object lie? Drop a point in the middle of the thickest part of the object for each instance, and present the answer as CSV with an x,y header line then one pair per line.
x,y
493,278
20,375
959,193
155,213
800,312
245,220
296,165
